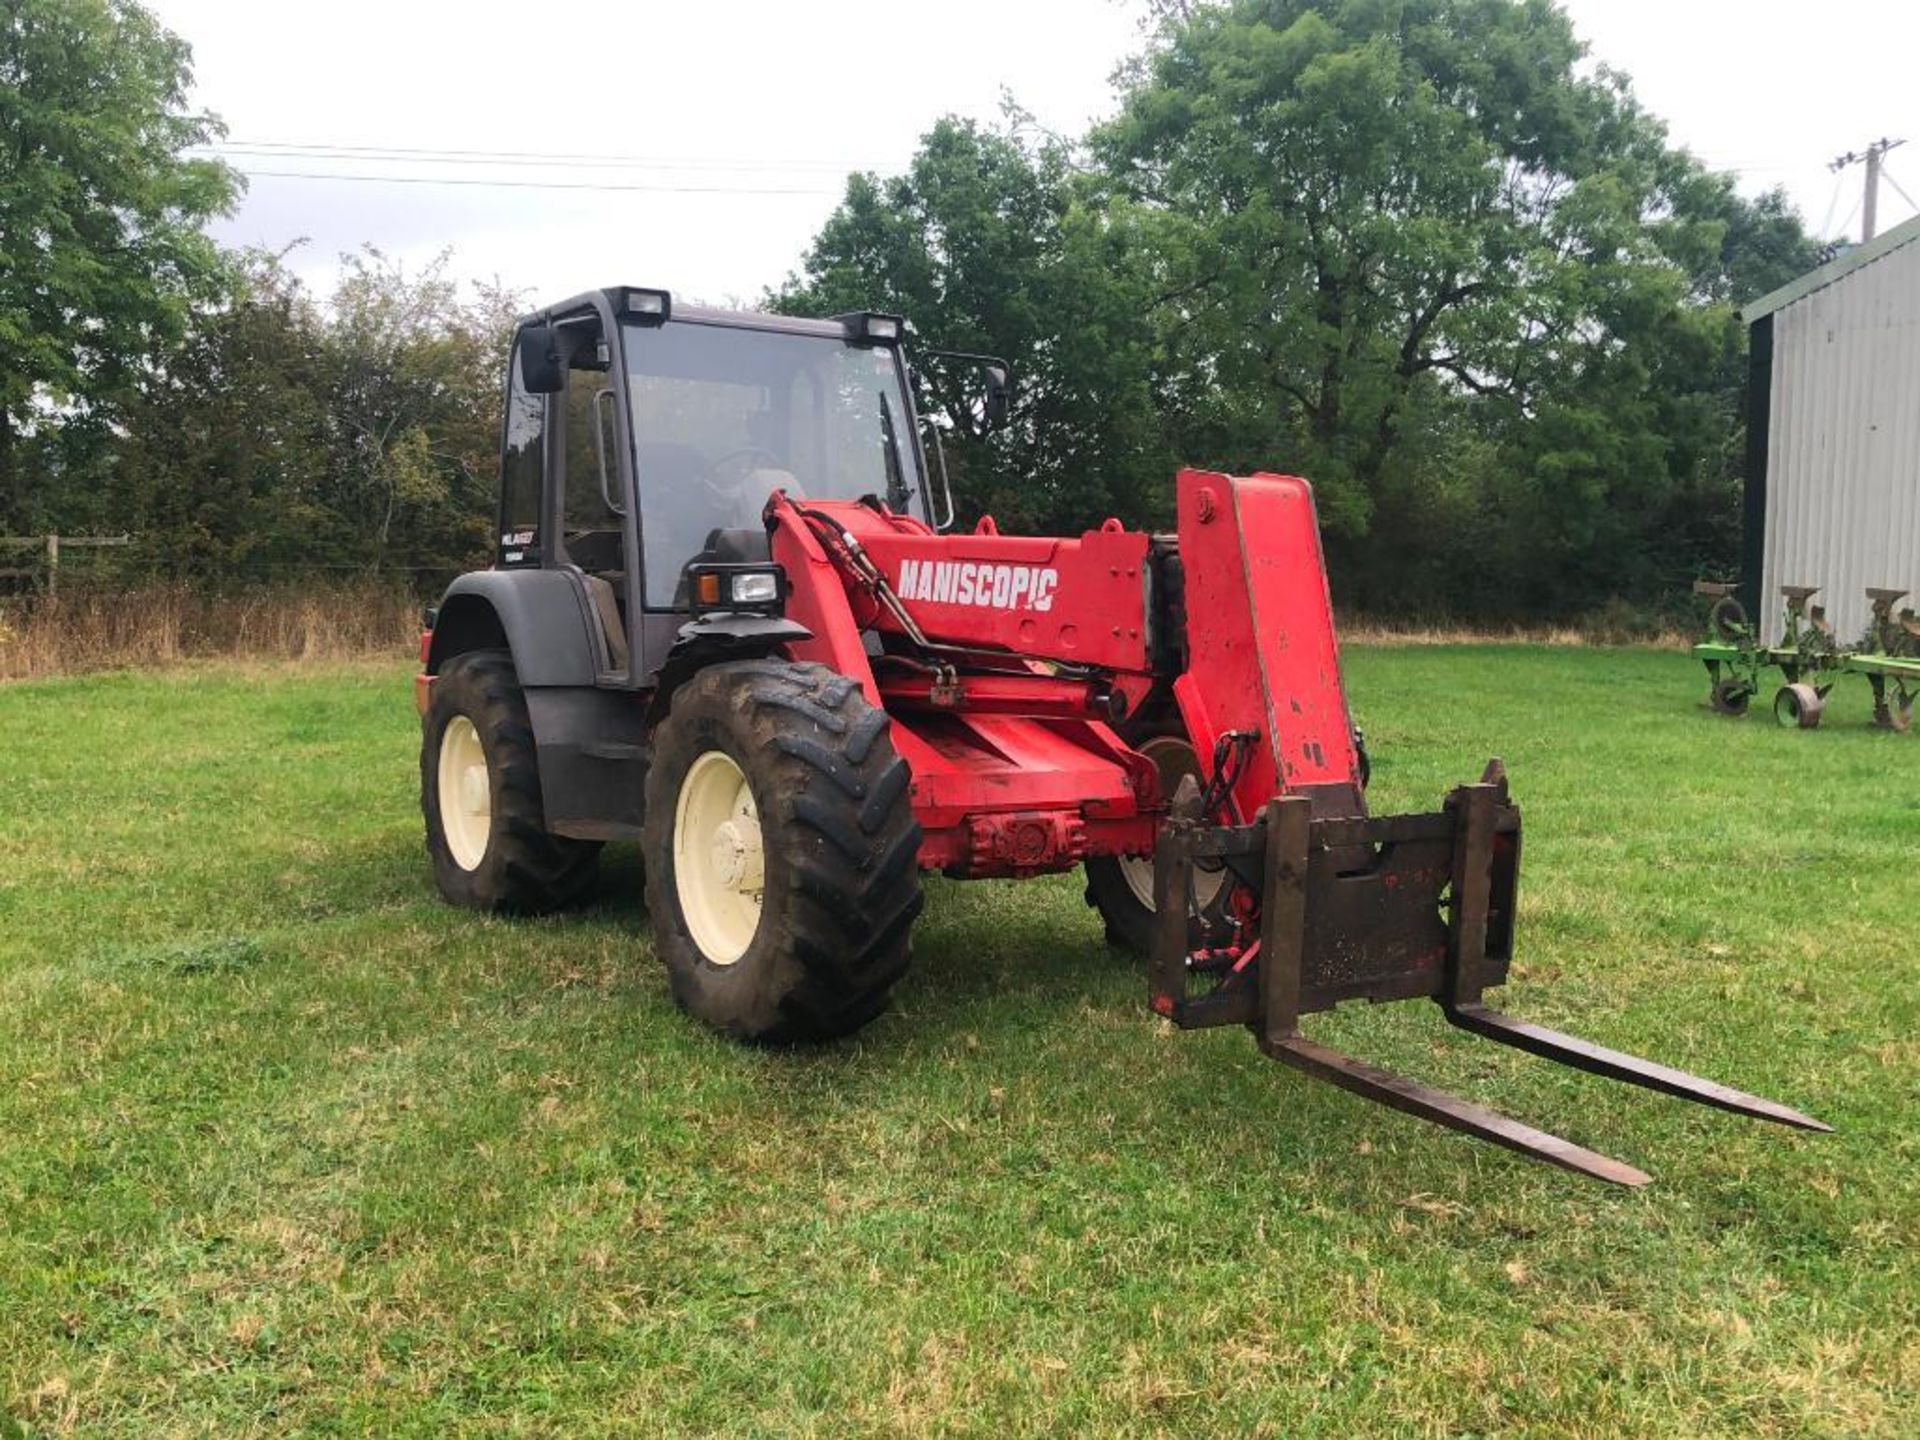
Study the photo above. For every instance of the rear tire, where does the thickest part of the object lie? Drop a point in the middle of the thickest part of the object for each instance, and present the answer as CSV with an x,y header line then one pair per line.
x,y
1121,889
480,796
782,856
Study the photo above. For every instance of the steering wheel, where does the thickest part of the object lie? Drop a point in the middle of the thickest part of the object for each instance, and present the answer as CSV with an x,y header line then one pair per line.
x,y
729,494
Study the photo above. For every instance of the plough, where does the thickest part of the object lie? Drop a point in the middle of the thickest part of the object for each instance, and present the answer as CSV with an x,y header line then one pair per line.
x,y
1810,658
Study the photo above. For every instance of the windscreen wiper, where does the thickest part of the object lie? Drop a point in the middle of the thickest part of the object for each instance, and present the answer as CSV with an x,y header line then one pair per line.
x,y
898,494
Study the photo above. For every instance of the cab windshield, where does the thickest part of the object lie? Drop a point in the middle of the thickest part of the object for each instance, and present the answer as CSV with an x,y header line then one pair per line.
x,y
723,416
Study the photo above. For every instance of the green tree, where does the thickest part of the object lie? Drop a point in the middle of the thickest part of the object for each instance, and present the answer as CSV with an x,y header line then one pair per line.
x,y
101,248
415,379
987,244
223,462
1417,252
285,435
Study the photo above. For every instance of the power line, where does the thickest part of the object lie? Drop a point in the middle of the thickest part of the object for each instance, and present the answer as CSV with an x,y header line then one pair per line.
x,y
1872,157
1848,221
1826,225
1887,175
327,150
538,184
331,150
505,161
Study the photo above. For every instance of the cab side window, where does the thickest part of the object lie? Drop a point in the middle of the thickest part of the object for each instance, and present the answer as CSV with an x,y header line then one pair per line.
x,y
589,507
523,454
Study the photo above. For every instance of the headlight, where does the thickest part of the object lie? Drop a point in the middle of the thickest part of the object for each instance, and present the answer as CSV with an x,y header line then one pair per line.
x,y
873,327
755,587
650,307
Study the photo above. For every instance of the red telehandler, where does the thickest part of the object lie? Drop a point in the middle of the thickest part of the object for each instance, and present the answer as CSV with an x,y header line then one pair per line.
x,y
729,618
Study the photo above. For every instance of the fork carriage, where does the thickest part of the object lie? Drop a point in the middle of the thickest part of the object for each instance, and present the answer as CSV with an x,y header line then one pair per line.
x,y
1383,908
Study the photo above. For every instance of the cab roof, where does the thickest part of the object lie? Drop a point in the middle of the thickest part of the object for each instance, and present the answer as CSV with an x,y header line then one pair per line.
x,y
613,298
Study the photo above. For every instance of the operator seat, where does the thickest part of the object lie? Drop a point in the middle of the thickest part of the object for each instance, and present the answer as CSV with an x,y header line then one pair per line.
x,y
675,507
759,484
667,464
598,552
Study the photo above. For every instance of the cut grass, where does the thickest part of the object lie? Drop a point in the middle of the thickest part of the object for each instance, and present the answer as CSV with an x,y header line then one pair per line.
x,y
287,1146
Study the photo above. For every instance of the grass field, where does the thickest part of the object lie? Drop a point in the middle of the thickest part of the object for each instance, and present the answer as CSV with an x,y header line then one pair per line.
x,y
286,1146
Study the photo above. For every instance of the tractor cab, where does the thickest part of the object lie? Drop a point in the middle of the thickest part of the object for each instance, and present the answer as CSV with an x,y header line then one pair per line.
x,y
642,435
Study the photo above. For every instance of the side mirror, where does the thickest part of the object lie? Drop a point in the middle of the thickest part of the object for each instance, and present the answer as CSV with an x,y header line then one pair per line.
x,y
998,375
999,392
541,369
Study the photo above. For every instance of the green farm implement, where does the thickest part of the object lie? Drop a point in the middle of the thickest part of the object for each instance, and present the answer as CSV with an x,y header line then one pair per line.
x,y
1809,657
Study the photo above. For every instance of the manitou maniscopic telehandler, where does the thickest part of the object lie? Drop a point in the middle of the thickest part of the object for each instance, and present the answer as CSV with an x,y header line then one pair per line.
x,y
729,617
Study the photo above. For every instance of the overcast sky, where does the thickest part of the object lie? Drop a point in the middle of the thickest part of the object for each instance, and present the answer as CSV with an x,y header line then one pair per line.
x,y
731,125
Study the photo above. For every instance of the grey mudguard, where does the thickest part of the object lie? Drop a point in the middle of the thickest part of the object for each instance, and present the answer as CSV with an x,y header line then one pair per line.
x,y
592,746
541,616
743,631
591,743
714,639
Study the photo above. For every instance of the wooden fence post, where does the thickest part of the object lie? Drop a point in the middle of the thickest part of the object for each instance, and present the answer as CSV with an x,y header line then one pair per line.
x,y
52,545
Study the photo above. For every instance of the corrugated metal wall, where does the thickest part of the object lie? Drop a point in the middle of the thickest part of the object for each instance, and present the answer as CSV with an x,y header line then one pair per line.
x,y
1843,454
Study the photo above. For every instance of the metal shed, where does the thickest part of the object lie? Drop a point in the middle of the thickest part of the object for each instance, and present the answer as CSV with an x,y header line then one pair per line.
x,y
1833,439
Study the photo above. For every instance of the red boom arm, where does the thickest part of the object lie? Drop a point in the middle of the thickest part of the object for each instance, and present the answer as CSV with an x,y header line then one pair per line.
x,y
1004,655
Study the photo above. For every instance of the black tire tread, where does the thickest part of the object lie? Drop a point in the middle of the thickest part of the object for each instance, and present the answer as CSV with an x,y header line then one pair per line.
x,y
526,870
842,849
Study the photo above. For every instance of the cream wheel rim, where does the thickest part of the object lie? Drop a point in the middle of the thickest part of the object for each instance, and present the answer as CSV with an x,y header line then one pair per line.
x,y
466,795
719,863
1173,758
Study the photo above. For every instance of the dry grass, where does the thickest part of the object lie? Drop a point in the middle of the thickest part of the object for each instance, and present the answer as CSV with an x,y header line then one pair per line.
x,y
164,624
167,623
1607,628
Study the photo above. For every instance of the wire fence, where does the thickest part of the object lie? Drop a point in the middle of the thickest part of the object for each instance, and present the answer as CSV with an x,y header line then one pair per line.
x,y
44,553
40,567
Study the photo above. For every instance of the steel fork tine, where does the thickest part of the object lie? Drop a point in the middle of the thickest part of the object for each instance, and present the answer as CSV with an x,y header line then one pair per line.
x,y
1386,1088
1585,1055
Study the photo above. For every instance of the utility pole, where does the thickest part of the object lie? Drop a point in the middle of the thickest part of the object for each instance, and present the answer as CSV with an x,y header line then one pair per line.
x,y
1870,201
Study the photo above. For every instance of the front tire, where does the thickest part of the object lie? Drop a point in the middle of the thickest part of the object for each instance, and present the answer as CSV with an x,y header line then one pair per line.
x,y
480,796
782,856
